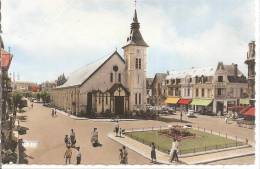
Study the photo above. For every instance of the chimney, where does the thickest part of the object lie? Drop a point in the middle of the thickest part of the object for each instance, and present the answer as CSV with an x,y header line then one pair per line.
x,y
235,70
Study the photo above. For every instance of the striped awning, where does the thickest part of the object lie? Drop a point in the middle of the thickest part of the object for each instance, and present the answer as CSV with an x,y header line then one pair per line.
x,y
172,100
244,101
201,102
250,112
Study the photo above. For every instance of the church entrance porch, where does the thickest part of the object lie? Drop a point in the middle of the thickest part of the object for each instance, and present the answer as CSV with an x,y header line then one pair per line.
x,y
119,104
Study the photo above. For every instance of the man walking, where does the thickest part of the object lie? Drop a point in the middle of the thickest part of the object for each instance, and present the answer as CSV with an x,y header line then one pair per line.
x,y
125,155
67,155
174,150
78,156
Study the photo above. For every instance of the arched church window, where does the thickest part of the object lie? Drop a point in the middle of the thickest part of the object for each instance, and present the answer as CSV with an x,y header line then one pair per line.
x,y
111,77
119,77
140,63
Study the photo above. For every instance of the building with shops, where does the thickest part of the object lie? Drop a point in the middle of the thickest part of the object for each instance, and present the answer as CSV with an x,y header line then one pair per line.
x,y
206,89
113,83
47,86
230,85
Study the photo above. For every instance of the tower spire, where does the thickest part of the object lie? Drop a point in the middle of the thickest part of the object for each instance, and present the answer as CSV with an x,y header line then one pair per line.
x,y
135,37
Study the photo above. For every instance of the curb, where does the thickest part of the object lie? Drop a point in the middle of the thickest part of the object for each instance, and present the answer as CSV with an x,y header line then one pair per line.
x,y
226,158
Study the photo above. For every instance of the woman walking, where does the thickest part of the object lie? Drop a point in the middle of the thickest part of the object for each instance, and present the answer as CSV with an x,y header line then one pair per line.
x,y
67,155
153,153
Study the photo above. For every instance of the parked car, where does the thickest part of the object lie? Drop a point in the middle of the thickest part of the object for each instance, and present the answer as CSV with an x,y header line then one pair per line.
x,y
190,113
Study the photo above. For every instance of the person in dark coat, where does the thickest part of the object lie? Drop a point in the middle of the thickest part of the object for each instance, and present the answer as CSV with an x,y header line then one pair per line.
x,y
153,153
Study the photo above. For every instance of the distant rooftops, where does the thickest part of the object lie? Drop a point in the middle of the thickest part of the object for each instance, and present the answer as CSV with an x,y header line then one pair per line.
x,y
206,71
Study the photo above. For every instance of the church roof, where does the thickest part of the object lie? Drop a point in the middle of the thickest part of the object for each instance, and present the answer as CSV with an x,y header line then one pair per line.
x,y
135,37
81,75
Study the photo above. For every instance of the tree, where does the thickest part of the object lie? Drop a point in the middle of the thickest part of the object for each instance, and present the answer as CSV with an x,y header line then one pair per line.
x,y
17,99
61,80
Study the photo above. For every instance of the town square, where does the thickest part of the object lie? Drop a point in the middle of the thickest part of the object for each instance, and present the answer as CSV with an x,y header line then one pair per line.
x,y
133,82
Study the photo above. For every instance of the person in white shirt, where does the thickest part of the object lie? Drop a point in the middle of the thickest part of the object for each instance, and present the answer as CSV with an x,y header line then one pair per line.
x,y
174,151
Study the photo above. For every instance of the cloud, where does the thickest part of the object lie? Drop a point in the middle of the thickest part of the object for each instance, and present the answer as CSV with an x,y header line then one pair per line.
x,y
50,37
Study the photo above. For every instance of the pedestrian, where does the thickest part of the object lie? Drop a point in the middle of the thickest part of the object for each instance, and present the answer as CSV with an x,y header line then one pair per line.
x,y
94,137
66,140
72,137
125,155
121,156
67,155
226,120
153,153
174,150
52,112
55,112
117,128
181,116
120,132
78,157
32,105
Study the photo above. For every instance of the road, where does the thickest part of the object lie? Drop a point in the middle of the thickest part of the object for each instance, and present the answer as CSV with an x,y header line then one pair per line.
x,y
49,134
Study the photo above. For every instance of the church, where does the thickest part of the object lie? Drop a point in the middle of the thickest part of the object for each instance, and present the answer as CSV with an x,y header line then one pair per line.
x,y
112,84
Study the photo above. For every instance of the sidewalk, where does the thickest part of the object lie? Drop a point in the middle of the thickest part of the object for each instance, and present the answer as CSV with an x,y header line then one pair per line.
x,y
95,120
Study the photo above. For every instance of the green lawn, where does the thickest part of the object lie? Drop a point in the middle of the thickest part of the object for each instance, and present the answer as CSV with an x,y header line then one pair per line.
x,y
199,143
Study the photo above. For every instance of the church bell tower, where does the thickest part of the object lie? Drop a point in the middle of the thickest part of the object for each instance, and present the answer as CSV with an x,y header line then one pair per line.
x,y
135,54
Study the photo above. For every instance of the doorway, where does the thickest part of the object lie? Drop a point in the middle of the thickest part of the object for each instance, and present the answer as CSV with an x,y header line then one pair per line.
x,y
119,104
89,102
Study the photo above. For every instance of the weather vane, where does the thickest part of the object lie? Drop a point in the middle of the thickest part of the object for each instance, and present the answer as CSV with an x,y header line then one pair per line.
x,y
135,3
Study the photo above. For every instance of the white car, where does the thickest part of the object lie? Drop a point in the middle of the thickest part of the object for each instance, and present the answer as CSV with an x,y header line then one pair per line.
x,y
190,113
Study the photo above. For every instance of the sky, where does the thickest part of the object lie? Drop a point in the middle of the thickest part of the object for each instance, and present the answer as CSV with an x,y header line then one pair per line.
x,y
48,38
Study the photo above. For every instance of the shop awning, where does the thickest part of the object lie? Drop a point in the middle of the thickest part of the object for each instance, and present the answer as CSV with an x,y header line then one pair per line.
x,y
201,102
172,100
184,101
245,109
244,101
250,112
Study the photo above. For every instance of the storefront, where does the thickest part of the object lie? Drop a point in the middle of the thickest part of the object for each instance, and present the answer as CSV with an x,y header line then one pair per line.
x,y
184,104
203,106
172,101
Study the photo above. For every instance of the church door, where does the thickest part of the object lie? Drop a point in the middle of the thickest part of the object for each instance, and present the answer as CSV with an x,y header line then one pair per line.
x,y
119,104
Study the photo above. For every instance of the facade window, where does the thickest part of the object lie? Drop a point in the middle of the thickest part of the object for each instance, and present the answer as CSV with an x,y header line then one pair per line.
x,y
106,100
219,92
136,98
119,77
140,64
209,93
140,98
220,78
136,63
197,92
241,92
190,80
188,91
111,77
202,92
99,99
